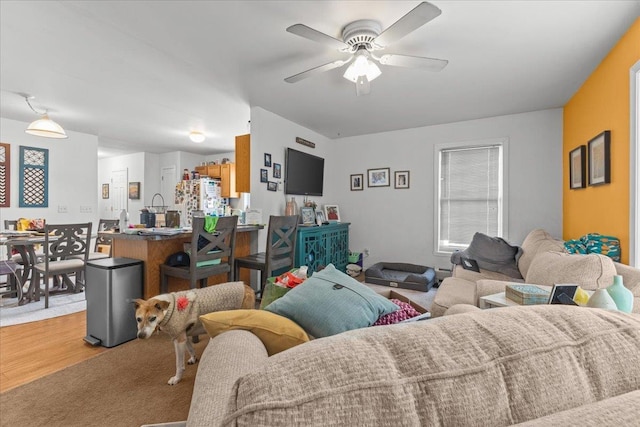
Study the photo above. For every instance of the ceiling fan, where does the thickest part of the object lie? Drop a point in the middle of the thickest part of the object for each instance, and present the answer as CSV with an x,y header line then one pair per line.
x,y
362,38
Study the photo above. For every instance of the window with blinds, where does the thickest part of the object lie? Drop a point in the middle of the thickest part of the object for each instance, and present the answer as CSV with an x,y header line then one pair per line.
x,y
470,194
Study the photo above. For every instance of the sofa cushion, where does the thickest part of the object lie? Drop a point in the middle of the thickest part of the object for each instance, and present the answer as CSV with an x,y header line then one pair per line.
x,y
613,411
589,271
277,333
330,302
492,367
492,254
452,291
537,241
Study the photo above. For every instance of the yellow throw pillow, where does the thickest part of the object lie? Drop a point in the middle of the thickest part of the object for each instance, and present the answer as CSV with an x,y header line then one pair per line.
x,y
276,332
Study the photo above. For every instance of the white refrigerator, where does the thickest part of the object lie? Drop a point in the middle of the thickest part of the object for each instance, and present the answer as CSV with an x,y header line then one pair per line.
x,y
199,195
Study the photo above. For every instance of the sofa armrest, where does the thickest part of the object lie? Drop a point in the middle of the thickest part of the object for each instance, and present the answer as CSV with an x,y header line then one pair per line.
x,y
490,287
226,358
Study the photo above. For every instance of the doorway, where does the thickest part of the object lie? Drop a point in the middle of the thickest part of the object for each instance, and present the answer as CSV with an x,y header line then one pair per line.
x,y
120,192
168,181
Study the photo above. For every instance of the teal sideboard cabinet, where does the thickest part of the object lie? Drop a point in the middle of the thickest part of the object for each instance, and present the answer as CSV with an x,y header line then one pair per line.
x,y
317,247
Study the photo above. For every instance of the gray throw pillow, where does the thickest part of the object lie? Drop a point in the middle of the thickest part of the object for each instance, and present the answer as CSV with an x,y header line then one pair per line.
x,y
493,254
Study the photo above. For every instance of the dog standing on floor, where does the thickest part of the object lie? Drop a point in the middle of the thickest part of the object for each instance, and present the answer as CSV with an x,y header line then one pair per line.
x,y
178,314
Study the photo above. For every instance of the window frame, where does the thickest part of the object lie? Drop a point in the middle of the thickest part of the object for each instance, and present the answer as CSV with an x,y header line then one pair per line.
x,y
504,143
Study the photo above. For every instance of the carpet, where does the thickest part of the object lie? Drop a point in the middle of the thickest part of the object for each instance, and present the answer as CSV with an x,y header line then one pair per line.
x,y
13,314
124,386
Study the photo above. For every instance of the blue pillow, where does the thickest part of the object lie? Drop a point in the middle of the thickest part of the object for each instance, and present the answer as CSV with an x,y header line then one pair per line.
x,y
331,302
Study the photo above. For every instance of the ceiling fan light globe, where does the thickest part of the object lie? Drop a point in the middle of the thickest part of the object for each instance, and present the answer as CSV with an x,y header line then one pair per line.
x,y
362,66
46,128
373,72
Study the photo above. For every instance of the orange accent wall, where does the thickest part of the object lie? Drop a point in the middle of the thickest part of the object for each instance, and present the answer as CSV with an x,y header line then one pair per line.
x,y
602,103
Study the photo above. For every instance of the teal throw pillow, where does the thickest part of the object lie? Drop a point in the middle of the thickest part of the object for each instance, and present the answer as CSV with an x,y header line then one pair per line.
x,y
331,302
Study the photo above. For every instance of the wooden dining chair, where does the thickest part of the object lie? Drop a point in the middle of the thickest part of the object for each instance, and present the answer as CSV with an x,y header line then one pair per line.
x,y
210,254
62,245
12,287
280,252
103,242
14,225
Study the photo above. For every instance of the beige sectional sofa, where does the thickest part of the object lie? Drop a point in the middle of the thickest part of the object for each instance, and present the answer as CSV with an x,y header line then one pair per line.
x,y
543,262
537,365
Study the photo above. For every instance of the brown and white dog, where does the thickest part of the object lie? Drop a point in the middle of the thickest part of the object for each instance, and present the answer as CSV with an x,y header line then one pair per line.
x,y
178,315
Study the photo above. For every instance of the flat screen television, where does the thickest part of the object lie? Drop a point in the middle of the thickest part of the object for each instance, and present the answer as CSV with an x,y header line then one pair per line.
x,y
304,173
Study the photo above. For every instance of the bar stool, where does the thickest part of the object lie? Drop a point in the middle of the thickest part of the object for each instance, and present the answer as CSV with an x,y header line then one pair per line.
x,y
280,253
210,254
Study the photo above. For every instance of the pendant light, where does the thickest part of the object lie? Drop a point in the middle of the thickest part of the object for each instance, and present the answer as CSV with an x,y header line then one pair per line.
x,y
44,126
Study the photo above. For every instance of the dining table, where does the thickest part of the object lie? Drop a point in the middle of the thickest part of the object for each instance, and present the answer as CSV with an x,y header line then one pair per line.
x,y
25,243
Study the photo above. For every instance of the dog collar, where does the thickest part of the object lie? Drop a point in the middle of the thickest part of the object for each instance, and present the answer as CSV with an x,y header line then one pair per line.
x,y
170,309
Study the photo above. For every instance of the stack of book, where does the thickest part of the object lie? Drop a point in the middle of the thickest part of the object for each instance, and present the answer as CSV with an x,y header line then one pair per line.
x,y
527,294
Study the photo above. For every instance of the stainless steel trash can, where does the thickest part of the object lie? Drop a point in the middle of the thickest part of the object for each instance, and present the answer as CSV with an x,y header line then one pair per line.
x,y
111,286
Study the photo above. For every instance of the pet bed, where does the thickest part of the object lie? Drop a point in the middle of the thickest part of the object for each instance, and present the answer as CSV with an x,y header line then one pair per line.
x,y
401,275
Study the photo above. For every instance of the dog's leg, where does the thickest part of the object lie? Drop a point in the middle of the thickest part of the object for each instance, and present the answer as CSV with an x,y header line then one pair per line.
x,y
192,352
180,345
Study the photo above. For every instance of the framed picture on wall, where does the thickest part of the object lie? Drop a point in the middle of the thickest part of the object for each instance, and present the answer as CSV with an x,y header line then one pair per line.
x,y
105,191
272,186
357,182
401,179
134,190
599,159
577,167
277,170
378,177
264,177
267,160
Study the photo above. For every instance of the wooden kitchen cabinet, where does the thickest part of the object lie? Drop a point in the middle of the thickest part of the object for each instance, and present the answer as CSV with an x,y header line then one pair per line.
x,y
228,180
243,163
214,172
225,173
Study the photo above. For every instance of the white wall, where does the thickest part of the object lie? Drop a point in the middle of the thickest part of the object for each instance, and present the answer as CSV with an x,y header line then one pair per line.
x,y
72,179
272,134
398,225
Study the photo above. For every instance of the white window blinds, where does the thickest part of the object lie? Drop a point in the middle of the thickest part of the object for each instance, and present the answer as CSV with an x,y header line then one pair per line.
x,y
470,195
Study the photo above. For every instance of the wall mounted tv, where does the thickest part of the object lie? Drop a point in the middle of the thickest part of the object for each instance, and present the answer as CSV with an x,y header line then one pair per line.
x,y
304,173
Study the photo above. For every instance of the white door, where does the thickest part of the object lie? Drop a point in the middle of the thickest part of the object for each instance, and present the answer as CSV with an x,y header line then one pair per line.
x,y
120,192
168,181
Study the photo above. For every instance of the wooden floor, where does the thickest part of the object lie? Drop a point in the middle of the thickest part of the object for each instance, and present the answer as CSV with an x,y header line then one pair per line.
x,y
33,350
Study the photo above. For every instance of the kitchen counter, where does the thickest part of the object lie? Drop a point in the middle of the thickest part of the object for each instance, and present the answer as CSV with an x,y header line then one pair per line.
x,y
154,250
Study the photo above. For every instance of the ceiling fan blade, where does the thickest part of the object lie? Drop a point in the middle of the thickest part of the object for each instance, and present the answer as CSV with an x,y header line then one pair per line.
x,y
316,36
317,70
363,86
416,18
431,64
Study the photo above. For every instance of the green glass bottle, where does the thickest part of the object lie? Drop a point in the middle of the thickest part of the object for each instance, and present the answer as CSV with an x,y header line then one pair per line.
x,y
622,296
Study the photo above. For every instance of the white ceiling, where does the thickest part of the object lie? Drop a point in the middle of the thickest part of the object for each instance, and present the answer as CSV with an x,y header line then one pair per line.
x,y
141,74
